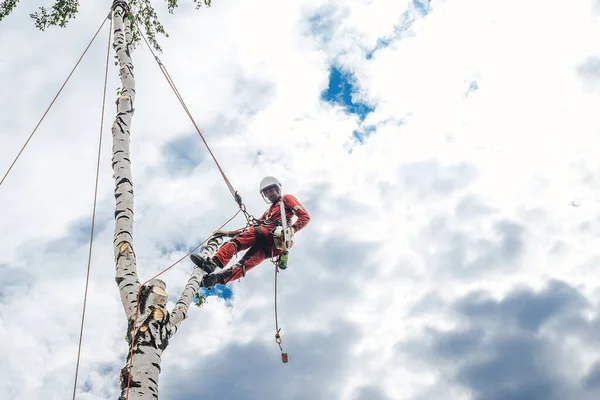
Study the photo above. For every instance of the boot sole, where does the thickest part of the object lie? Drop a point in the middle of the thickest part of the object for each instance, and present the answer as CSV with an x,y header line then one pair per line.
x,y
202,263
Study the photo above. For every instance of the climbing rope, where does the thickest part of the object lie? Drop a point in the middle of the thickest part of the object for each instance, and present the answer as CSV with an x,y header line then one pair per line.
x,y
284,356
165,72
87,278
137,310
55,97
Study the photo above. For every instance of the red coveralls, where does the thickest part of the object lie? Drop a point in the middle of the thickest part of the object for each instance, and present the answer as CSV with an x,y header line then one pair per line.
x,y
260,239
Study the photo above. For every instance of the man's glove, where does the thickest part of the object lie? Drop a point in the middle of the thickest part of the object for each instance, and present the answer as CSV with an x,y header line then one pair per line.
x,y
227,233
283,238
278,232
289,236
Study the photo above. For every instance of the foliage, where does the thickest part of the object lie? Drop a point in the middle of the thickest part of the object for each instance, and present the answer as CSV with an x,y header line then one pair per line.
x,y
61,12
143,15
7,6
199,299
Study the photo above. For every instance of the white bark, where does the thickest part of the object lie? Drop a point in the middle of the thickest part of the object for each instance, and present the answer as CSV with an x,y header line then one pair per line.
x,y
154,328
139,377
179,313
149,342
126,274
150,326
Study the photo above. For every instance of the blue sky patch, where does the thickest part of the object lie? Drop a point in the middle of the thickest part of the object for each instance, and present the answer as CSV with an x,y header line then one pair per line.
x,y
361,134
340,90
473,86
403,25
218,290
321,25
422,6
420,9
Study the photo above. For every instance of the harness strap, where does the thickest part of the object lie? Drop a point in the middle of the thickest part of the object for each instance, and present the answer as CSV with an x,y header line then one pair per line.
x,y
261,240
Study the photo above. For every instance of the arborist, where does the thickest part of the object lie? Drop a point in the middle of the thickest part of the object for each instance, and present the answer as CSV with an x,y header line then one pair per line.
x,y
270,236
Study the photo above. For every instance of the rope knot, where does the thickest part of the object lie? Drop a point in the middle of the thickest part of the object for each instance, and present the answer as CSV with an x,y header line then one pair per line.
x,y
238,200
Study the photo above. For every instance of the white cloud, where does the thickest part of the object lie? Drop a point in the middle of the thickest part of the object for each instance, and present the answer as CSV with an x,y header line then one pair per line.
x,y
480,175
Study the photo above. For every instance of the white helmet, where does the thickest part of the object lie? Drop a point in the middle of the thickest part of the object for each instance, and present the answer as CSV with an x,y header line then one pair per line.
x,y
268,182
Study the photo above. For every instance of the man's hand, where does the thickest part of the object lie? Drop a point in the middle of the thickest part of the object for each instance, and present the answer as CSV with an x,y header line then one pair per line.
x,y
227,233
289,236
278,232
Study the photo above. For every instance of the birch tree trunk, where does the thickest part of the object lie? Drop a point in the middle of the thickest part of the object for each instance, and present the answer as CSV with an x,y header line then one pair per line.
x,y
150,326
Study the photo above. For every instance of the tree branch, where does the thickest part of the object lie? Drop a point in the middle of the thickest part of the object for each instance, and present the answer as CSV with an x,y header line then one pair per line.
x,y
180,310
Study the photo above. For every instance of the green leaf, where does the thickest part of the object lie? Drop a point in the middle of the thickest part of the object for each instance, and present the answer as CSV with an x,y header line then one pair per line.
x,y
6,7
59,15
142,15
200,300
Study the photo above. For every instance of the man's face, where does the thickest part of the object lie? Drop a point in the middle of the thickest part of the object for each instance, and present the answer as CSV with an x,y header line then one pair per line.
x,y
272,194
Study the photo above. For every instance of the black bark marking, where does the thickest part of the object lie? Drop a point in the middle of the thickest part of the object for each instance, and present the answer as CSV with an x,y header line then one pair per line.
x,y
119,280
119,125
119,257
137,350
145,292
157,366
123,180
164,339
125,379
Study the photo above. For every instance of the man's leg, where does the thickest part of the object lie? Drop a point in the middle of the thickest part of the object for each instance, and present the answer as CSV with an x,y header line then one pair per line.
x,y
240,243
251,259
226,252
257,254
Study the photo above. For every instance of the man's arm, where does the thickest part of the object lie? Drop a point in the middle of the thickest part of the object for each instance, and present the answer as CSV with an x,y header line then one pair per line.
x,y
230,233
263,216
298,209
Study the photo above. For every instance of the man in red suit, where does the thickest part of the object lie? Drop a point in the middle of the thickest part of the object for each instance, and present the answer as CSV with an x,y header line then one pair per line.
x,y
263,240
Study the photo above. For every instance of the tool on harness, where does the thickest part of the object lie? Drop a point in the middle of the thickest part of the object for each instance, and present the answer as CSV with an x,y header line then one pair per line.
x,y
288,232
283,260
283,238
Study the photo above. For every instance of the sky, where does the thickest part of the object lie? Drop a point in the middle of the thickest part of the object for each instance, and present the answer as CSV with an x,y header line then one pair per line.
x,y
446,151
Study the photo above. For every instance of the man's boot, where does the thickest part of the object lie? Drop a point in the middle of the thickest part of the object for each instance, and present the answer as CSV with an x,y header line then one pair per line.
x,y
211,280
208,265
